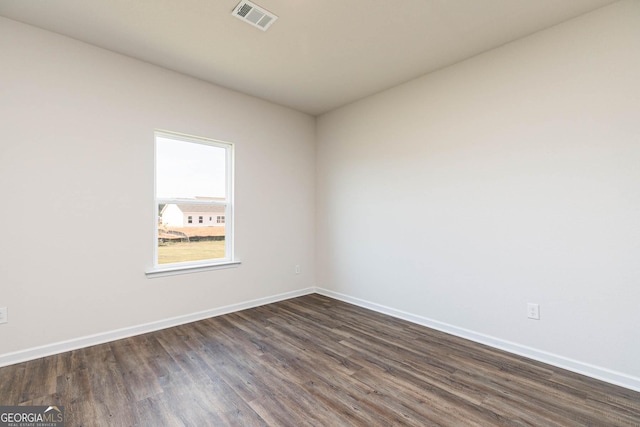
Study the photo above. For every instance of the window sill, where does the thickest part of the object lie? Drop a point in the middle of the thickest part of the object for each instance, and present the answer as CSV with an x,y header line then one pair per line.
x,y
186,269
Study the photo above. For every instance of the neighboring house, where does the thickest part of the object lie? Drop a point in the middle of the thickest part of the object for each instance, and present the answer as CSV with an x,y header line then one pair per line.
x,y
185,215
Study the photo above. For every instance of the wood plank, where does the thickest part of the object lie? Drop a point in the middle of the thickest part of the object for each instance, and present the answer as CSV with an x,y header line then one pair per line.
x,y
311,361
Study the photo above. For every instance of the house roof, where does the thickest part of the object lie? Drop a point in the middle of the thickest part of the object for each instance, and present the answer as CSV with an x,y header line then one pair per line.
x,y
197,209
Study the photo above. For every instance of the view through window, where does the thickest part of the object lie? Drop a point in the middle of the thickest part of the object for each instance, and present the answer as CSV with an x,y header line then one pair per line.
x,y
193,193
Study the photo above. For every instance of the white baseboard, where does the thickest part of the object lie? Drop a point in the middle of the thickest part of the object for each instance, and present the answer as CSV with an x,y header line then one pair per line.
x,y
599,373
603,374
101,338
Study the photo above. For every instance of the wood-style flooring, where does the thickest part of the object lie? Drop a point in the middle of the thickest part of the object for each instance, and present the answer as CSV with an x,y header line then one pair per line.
x,y
310,361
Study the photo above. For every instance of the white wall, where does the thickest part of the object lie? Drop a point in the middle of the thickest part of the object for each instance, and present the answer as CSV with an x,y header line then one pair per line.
x,y
76,185
509,178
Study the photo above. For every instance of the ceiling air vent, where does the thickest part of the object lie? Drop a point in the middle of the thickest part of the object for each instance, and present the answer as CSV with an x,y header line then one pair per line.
x,y
253,14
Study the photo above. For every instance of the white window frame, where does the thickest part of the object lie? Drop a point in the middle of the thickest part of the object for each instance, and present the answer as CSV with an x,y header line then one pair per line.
x,y
229,260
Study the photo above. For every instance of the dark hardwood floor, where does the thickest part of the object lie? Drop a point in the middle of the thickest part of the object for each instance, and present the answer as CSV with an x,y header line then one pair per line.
x,y
310,361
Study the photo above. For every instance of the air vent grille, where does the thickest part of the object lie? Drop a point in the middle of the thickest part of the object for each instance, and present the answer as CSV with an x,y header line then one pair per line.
x,y
244,9
253,14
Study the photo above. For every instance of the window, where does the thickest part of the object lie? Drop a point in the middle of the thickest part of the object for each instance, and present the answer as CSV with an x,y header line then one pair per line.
x,y
220,220
193,178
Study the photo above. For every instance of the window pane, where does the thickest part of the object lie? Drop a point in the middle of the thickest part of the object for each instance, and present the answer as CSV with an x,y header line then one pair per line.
x,y
192,181
182,250
188,170
181,239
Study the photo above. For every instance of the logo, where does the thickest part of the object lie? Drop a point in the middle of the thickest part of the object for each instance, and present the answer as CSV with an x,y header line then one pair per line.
x,y
31,416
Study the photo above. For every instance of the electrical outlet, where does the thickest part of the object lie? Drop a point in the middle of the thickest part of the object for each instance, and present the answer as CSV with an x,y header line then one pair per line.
x,y
297,269
4,315
533,311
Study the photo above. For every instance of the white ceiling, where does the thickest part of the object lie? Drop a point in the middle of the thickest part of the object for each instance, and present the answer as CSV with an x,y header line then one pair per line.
x,y
317,56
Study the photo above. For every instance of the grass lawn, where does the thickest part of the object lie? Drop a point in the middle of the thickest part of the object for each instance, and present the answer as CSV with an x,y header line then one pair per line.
x,y
190,251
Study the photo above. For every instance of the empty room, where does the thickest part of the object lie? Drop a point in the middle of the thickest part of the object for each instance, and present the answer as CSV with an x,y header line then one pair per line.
x,y
331,213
